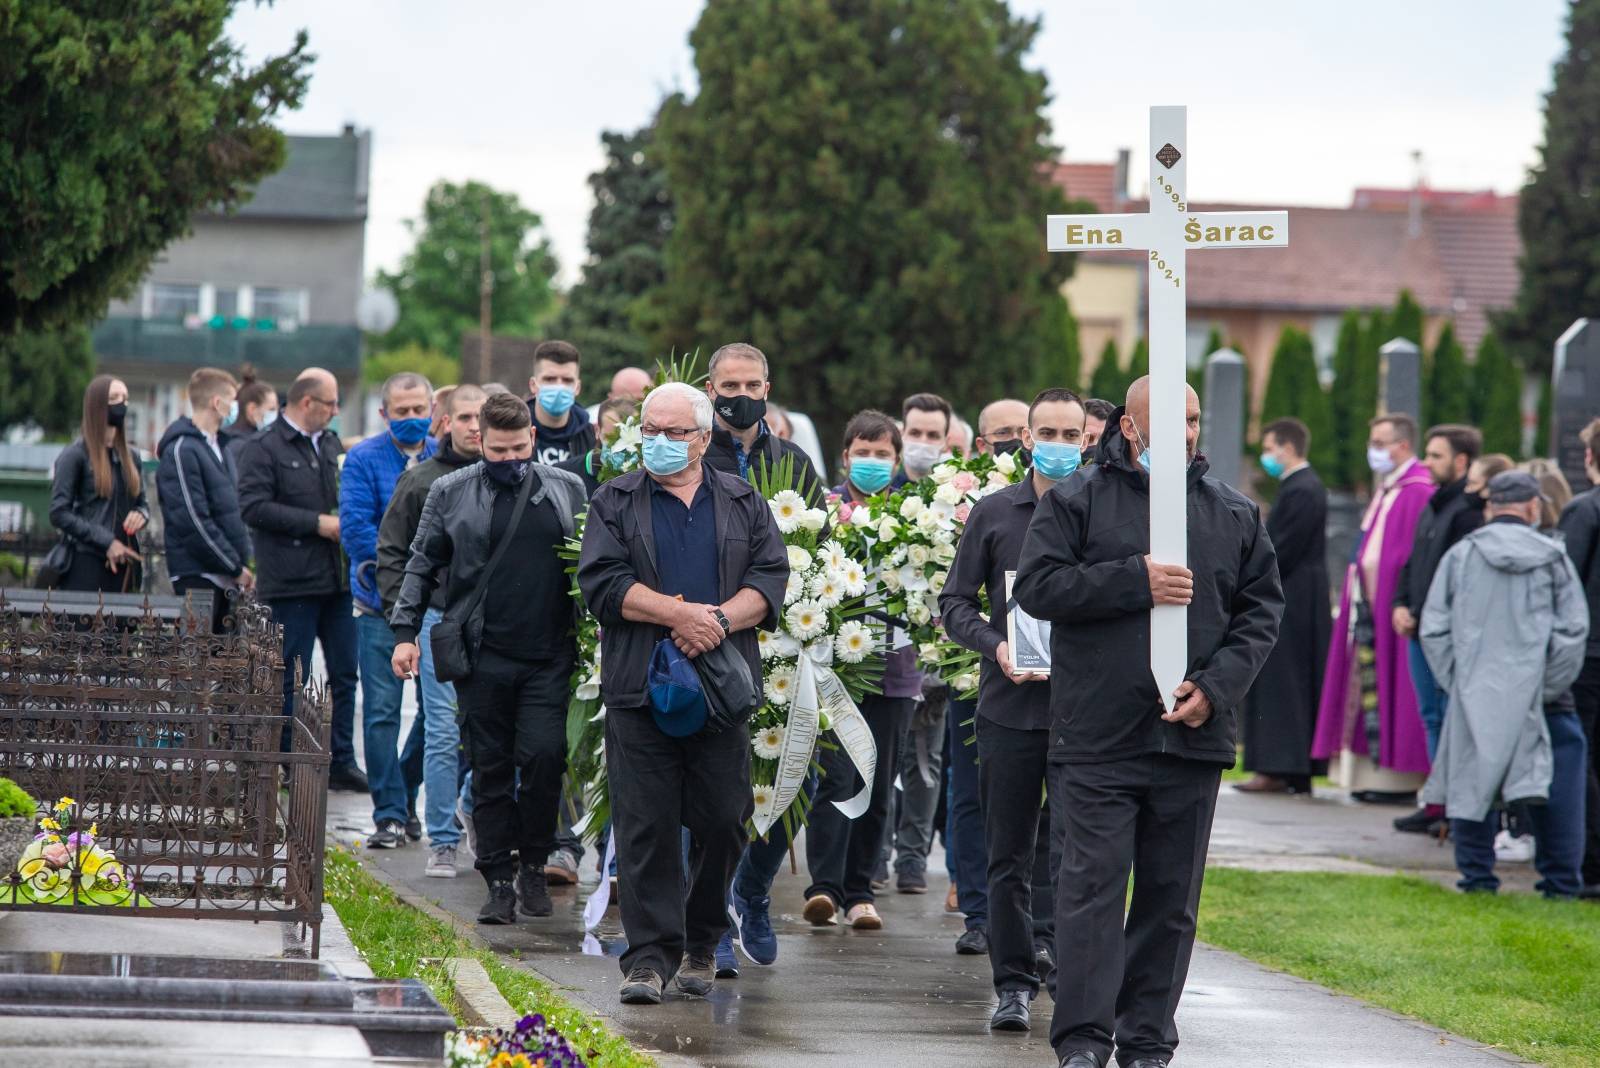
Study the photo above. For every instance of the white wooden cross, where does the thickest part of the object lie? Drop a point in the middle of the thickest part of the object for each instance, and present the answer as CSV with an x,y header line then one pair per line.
x,y
1167,231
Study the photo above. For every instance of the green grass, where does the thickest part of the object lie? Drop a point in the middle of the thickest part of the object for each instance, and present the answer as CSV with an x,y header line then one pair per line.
x,y
399,941
1513,971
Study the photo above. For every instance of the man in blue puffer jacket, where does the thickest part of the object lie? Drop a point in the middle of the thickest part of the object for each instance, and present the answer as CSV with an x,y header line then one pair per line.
x,y
366,483
208,546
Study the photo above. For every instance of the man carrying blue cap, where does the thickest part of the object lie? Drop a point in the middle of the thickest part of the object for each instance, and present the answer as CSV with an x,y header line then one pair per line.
x,y
561,426
676,551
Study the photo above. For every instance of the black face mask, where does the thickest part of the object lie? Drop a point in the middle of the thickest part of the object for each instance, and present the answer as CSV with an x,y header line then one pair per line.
x,y
116,414
741,413
1004,448
507,473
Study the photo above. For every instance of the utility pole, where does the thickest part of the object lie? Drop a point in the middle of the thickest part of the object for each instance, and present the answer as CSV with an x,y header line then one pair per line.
x,y
485,286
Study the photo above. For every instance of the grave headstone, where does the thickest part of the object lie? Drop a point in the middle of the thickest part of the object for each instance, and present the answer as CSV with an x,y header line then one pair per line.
x,y
1400,378
1575,389
1222,417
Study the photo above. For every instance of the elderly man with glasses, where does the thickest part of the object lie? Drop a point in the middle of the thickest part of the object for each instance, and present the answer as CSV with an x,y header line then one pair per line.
x,y
682,551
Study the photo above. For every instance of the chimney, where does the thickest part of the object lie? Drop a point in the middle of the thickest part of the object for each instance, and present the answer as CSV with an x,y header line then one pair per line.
x,y
1119,179
1414,214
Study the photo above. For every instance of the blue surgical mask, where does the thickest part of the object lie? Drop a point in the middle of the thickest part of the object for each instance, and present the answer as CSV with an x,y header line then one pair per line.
x,y
870,475
557,400
1144,454
410,431
663,456
268,418
1272,465
507,472
1055,460
232,416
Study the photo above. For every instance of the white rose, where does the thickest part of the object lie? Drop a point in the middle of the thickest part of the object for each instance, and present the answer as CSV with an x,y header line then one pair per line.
x,y
917,555
928,652
799,559
928,521
945,472
936,583
1006,462
964,683
862,517
891,581
911,507
944,536
918,612
947,494
813,519
944,552
888,529
997,480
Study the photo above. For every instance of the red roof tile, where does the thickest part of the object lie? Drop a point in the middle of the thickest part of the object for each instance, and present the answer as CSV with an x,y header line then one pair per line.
x,y
1094,182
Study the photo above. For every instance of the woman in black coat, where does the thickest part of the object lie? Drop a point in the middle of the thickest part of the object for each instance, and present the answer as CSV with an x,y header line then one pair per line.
x,y
97,500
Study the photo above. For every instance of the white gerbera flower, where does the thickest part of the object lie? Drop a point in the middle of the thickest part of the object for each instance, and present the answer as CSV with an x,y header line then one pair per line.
x,y
806,620
780,687
813,519
827,587
766,645
795,588
853,642
767,743
911,507
947,494
787,508
832,555
799,559
854,577
1006,463
762,795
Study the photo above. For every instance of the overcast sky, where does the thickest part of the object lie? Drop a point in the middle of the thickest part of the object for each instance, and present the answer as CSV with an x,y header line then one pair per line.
x,y
1288,103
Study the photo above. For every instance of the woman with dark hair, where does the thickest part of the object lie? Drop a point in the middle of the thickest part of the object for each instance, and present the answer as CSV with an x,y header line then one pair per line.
x,y
258,408
97,500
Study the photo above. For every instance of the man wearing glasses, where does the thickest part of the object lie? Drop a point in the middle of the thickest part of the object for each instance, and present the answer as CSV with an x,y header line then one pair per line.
x,y
289,495
682,551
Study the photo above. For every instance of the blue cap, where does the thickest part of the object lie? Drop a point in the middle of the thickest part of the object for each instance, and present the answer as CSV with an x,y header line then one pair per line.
x,y
676,700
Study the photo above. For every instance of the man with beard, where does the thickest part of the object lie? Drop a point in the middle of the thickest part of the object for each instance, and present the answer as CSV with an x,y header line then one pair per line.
x,y
1133,786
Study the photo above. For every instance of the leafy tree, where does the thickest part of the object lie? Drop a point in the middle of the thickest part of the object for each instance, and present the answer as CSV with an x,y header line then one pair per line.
x,y
1138,362
860,190
1108,382
1353,398
117,123
628,229
1447,392
1293,389
439,368
1064,365
43,374
437,285
1404,321
1497,398
1559,209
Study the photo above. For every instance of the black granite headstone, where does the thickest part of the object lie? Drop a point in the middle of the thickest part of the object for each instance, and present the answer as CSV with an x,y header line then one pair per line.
x,y
1400,378
1575,388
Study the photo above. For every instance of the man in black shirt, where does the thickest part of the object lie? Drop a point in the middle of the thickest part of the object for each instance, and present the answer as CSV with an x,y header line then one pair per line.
x,y
738,383
1013,721
517,625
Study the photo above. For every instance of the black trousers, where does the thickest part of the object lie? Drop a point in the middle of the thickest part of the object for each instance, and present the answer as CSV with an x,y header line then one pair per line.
x,y
841,852
1119,982
1012,765
660,784
514,720
1586,692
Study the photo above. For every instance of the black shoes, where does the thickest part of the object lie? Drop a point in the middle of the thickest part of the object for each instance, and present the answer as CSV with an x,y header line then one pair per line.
x,y
534,890
413,827
349,779
501,908
974,943
696,974
1384,797
1420,822
1012,1012
643,987
1080,1059
391,834
1147,1062
911,882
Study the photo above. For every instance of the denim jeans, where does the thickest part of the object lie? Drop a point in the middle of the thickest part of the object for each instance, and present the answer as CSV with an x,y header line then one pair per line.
x,y
441,746
1557,825
381,693
966,817
305,620
1431,700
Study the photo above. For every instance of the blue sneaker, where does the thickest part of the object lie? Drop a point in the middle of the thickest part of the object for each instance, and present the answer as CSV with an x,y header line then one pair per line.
x,y
754,927
727,964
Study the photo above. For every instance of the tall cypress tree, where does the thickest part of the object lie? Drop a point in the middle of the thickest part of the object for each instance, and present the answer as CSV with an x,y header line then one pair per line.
x,y
1405,321
1138,362
1446,397
1349,408
1293,389
1559,209
1063,365
1497,398
1108,382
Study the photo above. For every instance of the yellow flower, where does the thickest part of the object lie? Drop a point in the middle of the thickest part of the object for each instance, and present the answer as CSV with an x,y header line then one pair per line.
x,y
64,804
49,824
94,830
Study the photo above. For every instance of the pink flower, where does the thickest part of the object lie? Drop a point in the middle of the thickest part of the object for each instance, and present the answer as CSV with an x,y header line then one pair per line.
x,y
962,511
965,482
845,509
56,855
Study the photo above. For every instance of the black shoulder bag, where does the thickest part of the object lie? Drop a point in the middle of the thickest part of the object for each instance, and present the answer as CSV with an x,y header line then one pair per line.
x,y
452,659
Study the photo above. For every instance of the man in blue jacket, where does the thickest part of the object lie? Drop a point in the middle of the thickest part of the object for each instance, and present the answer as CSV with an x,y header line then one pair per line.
x,y
208,547
371,470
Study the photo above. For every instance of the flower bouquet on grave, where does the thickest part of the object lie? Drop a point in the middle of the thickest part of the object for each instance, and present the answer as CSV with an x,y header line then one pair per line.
x,y
64,865
532,1043
825,656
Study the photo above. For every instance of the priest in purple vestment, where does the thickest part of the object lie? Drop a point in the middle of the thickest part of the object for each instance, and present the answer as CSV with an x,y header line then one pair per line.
x,y
1367,720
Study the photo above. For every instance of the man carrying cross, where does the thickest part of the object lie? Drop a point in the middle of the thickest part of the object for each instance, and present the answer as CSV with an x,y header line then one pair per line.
x,y
1133,786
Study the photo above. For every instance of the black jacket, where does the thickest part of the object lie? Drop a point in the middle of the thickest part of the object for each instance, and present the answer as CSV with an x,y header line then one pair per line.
x,y
401,519
1580,525
1449,516
284,486
92,522
453,537
1082,568
767,452
204,530
573,438
619,550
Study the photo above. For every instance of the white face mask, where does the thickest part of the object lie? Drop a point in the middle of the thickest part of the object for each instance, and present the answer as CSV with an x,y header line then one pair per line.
x,y
1379,460
921,457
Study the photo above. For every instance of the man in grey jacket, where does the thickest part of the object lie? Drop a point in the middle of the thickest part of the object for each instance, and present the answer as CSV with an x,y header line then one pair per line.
x,y
517,627
1504,628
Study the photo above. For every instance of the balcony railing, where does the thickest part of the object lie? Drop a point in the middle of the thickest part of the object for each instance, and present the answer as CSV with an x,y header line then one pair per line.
x,y
119,340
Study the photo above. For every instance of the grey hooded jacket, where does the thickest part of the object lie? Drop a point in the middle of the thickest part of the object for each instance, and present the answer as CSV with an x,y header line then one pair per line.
x,y
1504,629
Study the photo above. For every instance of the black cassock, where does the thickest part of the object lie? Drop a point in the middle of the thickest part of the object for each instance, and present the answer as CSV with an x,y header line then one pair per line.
x,y
1280,711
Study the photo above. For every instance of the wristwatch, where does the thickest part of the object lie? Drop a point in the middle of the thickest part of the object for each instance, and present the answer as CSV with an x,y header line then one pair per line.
x,y
727,628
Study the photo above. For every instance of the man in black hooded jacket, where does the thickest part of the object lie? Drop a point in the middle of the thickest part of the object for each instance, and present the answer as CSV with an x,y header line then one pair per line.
x,y
1132,786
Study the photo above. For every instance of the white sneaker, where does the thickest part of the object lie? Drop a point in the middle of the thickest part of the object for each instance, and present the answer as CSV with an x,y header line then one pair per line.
x,y
1509,849
441,862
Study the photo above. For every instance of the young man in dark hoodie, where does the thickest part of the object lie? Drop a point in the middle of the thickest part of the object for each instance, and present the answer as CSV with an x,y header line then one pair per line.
x,y
208,546
561,426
